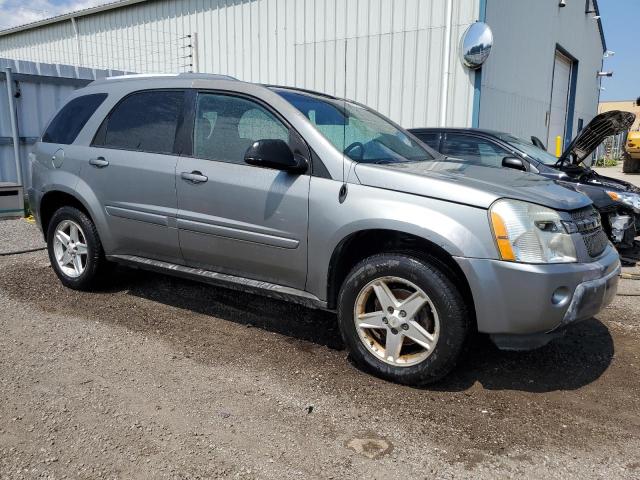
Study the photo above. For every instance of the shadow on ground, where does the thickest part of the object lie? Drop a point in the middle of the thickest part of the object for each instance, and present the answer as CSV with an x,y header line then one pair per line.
x,y
573,361
316,326
578,358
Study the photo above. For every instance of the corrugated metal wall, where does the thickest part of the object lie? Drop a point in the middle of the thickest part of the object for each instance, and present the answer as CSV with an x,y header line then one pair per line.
x,y
40,89
517,78
384,53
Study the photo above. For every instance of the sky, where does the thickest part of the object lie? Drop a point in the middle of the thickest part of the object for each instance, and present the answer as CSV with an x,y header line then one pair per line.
x,y
19,12
620,21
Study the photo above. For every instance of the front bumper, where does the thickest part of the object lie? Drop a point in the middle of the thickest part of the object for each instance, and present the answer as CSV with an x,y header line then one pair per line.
x,y
592,296
515,301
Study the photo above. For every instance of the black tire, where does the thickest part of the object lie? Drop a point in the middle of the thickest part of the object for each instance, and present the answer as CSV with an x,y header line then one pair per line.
x,y
96,264
454,318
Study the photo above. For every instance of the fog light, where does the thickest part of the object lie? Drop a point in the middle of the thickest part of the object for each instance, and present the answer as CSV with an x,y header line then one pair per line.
x,y
561,296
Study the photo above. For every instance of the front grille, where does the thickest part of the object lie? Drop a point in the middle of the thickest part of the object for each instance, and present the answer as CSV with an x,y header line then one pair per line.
x,y
595,242
590,227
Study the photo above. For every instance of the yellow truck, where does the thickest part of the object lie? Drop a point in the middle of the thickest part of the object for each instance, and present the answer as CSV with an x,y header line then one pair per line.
x,y
632,153
633,145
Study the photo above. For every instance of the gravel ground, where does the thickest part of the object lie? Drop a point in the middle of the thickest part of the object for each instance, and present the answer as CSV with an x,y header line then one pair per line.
x,y
157,377
18,235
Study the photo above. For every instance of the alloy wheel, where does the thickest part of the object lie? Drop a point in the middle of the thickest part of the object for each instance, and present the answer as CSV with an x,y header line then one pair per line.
x,y
70,248
396,321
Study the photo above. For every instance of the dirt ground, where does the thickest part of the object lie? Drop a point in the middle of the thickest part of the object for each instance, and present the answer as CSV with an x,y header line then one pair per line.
x,y
616,172
157,377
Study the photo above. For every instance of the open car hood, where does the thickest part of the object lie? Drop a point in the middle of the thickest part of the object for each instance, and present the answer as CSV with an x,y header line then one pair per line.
x,y
601,127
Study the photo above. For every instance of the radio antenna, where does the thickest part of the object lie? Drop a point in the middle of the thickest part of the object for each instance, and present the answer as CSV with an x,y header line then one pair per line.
x,y
342,195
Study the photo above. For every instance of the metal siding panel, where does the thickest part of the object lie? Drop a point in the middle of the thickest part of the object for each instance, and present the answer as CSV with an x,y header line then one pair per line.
x,y
37,103
384,74
421,80
373,65
526,38
350,71
394,95
393,55
360,67
409,78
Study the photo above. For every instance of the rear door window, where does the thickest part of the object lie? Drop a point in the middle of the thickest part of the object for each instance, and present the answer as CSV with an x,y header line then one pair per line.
x,y
143,121
474,150
66,125
430,138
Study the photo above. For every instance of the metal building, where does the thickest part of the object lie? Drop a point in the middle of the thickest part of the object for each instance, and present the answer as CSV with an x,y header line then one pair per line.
x,y
401,57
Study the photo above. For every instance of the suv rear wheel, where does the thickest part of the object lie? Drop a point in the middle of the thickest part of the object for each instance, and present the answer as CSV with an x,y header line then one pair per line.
x,y
402,318
74,248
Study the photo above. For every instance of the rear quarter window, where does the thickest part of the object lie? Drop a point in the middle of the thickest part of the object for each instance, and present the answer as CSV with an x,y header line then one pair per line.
x,y
66,125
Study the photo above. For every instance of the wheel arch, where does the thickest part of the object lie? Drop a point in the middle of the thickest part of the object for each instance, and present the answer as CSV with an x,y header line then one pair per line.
x,y
364,243
54,199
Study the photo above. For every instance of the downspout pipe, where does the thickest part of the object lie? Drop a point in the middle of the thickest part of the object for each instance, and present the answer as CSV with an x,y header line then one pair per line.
x,y
13,117
446,60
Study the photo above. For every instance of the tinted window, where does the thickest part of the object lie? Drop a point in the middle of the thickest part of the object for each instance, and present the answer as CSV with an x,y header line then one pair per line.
x,y
431,139
66,125
226,126
474,149
145,121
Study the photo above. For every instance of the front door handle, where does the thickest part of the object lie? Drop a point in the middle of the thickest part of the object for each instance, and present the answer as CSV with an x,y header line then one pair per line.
x,y
99,162
194,177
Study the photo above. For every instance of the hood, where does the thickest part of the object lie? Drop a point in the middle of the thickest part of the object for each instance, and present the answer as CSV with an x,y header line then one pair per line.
x,y
460,182
598,129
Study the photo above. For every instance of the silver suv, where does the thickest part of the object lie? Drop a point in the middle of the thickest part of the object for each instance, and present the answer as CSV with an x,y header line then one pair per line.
x,y
320,201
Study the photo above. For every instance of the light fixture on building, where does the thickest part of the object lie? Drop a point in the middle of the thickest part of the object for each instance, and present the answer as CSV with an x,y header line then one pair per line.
x,y
563,3
609,53
605,74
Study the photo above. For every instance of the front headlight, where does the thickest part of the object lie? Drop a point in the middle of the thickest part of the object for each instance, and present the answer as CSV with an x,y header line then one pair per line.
x,y
530,233
630,199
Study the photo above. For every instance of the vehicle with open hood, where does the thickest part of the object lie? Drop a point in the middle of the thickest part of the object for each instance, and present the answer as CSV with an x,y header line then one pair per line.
x,y
319,201
617,201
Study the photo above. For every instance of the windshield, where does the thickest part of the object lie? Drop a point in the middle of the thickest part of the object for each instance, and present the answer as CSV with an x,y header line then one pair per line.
x,y
361,134
530,149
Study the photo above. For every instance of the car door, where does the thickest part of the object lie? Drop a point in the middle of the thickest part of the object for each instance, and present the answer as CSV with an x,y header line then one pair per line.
x,y
474,149
131,169
236,218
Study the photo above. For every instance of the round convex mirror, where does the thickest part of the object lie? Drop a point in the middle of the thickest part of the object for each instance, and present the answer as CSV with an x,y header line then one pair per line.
x,y
476,44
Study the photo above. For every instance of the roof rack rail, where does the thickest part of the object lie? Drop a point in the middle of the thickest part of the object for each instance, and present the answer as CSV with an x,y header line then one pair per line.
x,y
298,89
212,76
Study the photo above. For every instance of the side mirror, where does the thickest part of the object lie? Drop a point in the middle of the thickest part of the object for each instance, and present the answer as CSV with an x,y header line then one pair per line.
x,y
538,143
274,153
513,162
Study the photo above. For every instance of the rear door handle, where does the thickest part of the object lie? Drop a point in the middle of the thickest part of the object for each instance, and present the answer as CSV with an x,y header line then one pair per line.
x,y
194,177
99,162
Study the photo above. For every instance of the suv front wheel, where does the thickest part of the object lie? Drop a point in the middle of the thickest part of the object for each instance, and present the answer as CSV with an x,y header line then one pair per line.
x,y
74,248
402,318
